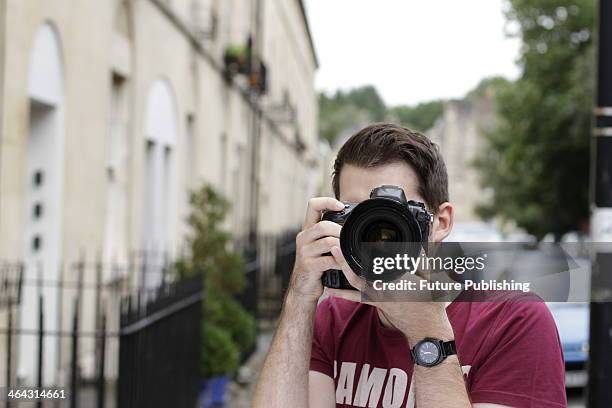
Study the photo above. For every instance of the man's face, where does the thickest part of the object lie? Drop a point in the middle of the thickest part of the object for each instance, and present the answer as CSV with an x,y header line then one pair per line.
x,y
356,183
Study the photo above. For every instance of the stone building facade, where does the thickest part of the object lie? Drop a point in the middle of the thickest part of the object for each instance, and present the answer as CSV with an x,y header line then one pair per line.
x,y
112,111
460,134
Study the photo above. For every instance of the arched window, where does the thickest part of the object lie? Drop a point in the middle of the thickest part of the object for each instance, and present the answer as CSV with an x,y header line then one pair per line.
x,y
43,191
159,188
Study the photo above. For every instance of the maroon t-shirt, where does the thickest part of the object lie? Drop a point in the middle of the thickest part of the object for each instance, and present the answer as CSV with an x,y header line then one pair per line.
x,y
509,352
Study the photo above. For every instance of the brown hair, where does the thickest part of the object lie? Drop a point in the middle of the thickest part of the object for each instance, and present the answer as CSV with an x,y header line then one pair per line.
x,y
385,143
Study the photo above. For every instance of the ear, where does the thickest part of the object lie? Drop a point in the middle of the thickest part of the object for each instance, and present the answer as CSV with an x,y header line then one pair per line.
x,y
443,222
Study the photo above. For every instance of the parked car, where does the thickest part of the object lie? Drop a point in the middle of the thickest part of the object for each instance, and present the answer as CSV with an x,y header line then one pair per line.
x,y
573,324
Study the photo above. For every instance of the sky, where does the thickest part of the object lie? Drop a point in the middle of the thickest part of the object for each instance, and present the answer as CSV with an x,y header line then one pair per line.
x,y
412,51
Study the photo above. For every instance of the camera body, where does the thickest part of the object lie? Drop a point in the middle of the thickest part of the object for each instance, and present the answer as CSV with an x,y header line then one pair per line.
x,y
386,217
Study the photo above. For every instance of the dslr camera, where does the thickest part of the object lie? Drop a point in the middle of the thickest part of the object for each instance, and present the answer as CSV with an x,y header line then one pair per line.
x,y
387,220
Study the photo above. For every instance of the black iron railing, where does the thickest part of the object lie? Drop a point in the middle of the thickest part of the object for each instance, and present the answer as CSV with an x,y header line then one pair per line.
x,y
112,318
159,347
73,313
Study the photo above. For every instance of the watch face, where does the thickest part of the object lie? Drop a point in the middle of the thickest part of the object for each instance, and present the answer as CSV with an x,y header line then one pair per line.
x,y
428,353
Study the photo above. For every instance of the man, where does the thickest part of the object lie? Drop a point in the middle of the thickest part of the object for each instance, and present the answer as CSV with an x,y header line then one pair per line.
x,y
345,353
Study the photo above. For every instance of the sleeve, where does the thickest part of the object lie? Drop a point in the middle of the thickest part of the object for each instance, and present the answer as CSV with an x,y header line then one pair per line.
x,y
524,366
321,356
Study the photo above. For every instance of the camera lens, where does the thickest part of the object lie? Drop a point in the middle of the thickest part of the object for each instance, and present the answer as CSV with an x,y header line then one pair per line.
x,y
378,227
381,232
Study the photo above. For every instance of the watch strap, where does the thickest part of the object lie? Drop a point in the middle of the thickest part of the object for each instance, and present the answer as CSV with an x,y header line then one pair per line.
x,y
448,348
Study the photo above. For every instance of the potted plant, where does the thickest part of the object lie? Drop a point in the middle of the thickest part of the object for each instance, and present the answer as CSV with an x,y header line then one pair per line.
x,y
236,59
220,356
228,330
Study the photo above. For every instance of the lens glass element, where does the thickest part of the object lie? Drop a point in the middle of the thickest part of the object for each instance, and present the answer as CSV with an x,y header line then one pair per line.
x,y
381,232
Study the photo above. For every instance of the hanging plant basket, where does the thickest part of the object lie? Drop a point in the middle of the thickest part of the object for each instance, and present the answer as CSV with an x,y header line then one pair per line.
x,y
236,60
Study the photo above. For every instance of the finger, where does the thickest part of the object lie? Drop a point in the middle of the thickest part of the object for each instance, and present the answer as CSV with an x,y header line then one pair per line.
x,y
320,246
352,295
355,281
319,230
316,206
321,264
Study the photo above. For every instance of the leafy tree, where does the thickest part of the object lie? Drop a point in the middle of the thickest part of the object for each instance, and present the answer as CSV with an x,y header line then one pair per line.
x,y
537,159
420,117
227,329
334,118
368,99
345,109
494,83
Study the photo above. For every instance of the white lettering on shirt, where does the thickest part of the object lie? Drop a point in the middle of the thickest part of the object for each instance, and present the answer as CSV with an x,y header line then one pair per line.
x,y
370,386
395,389
344,391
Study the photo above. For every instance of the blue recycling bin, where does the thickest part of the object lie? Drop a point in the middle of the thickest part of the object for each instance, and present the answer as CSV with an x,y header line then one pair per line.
x,y
213,392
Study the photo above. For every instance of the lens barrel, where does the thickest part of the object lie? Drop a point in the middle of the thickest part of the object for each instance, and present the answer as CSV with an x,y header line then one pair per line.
x,y
379,227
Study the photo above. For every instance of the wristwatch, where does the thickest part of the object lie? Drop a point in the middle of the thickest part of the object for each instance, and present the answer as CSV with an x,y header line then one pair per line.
x,y
430,352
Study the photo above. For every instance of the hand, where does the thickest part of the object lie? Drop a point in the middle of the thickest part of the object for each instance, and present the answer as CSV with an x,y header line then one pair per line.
x,y
416,320
314,241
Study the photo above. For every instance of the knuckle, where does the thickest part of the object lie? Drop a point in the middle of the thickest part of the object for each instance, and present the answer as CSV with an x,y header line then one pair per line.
x,y
328,227
332,228
325,223
330,241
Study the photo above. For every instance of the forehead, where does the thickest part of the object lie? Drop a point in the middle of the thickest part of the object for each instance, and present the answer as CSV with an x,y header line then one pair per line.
x,y
356,183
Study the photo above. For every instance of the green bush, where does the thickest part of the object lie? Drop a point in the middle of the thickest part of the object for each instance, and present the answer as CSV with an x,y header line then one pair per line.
x,y
228,330
220,355
238,323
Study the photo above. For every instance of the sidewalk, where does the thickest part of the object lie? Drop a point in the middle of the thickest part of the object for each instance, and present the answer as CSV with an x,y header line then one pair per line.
x,y
241,392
